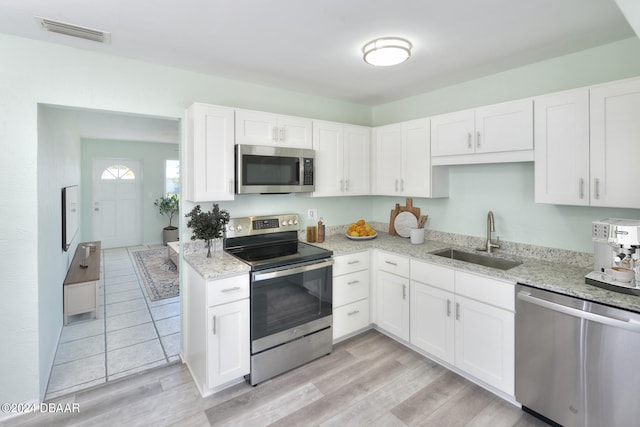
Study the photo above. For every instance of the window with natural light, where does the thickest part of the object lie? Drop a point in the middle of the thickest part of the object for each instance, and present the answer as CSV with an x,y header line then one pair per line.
x,y
172,177
117,172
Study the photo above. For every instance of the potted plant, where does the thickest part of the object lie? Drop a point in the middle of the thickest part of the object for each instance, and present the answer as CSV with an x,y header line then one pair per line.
x,y
207,225
169,206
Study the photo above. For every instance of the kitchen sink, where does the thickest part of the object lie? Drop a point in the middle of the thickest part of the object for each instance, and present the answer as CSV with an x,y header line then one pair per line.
x,y
486,261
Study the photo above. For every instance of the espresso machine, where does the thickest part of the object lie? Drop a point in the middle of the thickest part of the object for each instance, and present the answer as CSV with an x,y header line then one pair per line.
x,y
616,255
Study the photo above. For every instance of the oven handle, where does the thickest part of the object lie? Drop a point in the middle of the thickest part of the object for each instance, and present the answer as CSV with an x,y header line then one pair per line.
x,y
272,274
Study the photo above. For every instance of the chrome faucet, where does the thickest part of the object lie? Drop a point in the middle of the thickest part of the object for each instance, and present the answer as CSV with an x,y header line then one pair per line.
x,y
490,228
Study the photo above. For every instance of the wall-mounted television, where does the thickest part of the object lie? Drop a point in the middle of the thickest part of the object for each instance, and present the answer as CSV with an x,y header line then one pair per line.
x,y
70,209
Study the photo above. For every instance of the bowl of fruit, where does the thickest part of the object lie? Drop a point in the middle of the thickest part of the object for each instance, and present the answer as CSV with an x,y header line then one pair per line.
x,y
360,230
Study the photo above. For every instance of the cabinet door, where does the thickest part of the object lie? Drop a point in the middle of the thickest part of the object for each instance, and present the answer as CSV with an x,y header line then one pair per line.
x,y
615,150
388,160
432,324
209,152
416,159
504,127
294,132
327,141
562,148
453,133
256,127
228,352
357,157
393,304
485,343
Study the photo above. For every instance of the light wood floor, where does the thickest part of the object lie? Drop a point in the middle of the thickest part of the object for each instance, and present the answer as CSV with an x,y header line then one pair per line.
x,y
369,380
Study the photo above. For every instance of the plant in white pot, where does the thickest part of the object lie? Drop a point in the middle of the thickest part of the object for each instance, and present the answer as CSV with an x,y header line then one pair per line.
x,y
169,206
207,225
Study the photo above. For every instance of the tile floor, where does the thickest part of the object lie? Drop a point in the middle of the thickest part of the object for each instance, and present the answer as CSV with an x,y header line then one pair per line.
x,y
130,335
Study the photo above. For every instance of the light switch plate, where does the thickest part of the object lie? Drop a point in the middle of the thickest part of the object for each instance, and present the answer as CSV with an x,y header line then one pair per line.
x,y
312,213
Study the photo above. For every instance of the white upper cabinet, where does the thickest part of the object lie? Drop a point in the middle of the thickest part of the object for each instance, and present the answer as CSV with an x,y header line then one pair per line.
x,y
562,148
260,128
342,159
615,144
587,147
402,162
491,134
209,169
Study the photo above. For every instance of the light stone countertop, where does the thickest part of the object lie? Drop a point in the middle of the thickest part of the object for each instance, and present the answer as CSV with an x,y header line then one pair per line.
x,y
564,278
545,268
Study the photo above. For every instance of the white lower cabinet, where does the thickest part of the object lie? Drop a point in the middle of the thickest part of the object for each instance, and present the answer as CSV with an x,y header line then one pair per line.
x,y
350,294
392,283
217,336
465,320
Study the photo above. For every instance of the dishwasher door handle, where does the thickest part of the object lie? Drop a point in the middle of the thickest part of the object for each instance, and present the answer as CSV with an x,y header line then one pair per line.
x,y
629,324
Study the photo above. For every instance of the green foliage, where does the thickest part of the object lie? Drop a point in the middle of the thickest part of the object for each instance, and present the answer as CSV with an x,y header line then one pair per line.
x,y
169,206
207,225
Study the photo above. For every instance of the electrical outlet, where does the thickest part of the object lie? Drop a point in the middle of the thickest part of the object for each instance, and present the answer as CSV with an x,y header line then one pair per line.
x,y
312,213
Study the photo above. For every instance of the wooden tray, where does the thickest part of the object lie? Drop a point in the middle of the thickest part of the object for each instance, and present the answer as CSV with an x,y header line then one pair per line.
x,y
394,213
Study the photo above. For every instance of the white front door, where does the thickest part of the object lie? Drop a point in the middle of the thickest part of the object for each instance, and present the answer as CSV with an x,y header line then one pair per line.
x,y
117,185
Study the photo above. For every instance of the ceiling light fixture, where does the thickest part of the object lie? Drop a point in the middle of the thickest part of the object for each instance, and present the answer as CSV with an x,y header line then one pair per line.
x,y
74,30
387,51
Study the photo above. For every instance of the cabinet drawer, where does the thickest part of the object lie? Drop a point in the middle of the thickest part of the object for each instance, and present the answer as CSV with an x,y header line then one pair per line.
x,y
433,275
349,263
350,318
350,287
491,291
394,264
226,290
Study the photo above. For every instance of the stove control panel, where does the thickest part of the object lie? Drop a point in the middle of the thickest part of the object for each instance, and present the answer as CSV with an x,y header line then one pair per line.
x,y
252,225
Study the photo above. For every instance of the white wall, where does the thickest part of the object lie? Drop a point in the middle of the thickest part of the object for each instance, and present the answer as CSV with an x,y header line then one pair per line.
x,y
35,73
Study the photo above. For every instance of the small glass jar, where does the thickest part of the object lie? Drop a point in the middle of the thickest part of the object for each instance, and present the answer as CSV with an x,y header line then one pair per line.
x,y
311,234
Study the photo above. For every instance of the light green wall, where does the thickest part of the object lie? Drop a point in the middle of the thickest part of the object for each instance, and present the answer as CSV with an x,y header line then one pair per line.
x,y
601,64
152,157
507,190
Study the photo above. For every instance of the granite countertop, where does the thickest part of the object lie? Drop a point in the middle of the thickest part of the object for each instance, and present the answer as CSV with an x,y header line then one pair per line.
x,y
545,268
565,278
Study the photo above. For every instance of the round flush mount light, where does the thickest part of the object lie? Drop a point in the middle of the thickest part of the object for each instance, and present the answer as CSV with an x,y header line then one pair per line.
x,y
386,51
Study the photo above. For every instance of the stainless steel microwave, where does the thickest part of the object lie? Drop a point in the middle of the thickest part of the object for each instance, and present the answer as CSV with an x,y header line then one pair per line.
x,y
262,169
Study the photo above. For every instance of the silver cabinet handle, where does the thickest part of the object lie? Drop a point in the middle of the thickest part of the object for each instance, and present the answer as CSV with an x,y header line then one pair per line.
x,y
391,263
351,313
596,188
214,325
235,288
402,185
353,282
404,291
342,185
282,134
396,185
353,262
581,188
448,308
469,139
478,139
274,134
346,185
457,311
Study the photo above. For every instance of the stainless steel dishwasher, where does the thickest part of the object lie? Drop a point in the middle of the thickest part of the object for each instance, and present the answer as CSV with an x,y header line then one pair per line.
x,y
577,362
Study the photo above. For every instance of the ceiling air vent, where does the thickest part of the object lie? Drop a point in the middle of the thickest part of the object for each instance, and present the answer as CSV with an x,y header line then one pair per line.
x,y
74,30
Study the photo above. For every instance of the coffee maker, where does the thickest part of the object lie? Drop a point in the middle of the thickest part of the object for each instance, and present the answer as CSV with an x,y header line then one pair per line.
x,y
616,255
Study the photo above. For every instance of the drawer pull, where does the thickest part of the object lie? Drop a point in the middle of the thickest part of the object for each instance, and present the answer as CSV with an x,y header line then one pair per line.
x,y
404,291
353,262
214,325
353,282
392,263
457,311
235,288
448,308
351,313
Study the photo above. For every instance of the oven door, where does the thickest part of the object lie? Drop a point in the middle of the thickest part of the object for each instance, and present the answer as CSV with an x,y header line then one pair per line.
x,y
287,298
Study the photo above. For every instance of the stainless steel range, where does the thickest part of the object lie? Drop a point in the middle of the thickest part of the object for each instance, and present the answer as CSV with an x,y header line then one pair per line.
x,y
291,293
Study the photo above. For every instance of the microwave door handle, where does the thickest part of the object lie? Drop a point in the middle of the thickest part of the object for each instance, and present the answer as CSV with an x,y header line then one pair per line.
x,y
279,272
